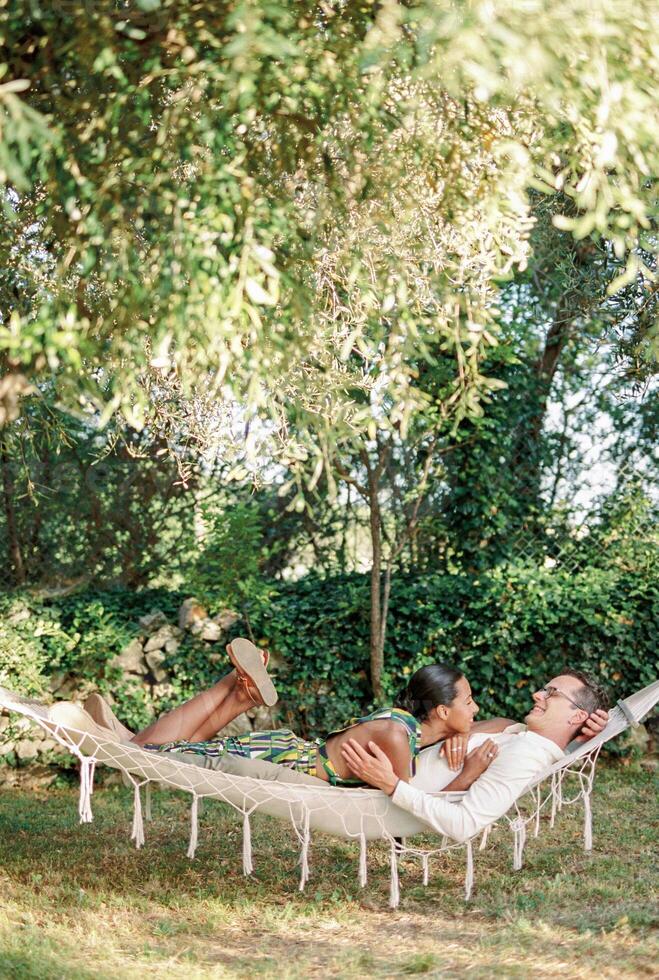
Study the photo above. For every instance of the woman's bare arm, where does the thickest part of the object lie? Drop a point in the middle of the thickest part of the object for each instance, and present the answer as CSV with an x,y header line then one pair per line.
x,y
389,736
395,744
475,764
454,749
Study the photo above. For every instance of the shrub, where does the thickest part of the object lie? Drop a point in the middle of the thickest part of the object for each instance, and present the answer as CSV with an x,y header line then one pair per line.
x,y
510,630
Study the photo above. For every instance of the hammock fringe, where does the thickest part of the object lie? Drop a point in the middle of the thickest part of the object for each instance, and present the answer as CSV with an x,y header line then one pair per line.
x,y
519,830
363,861
394,890
353,814
587,823
304,852
248,865
469,871
137,832
87,767
194,826
425,859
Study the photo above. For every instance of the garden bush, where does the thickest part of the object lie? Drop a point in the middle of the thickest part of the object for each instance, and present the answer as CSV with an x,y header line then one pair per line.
x,y
510,630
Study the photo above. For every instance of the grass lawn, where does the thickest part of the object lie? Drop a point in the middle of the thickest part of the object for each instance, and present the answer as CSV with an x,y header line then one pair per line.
x,y
79,902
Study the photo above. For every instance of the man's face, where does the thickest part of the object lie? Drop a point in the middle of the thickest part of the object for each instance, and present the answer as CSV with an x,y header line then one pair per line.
x,y
557,710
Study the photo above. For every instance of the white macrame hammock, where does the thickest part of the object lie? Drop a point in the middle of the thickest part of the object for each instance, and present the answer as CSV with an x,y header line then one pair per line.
x,y
309,804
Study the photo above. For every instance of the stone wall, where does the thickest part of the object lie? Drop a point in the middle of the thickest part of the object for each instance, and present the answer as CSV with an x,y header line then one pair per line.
x,y
141,662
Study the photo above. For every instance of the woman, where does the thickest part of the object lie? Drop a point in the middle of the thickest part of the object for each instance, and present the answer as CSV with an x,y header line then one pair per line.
x,y
436,703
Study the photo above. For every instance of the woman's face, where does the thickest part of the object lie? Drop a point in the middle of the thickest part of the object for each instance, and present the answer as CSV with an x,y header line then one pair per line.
x,y
461,712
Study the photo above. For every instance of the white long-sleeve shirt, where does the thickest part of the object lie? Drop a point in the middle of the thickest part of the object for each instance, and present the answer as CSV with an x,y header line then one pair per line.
x,y
523,755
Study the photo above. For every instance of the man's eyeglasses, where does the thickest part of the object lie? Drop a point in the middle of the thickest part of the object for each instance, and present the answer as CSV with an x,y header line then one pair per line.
x,y
553,692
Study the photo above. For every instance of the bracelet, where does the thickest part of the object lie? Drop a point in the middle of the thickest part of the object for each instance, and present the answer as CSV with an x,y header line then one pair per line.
x,y
394,789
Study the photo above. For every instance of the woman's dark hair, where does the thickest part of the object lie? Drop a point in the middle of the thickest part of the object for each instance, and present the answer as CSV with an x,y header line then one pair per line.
x,y
428,687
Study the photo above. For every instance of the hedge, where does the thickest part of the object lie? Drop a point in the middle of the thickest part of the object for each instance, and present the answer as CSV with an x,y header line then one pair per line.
x,y
510,630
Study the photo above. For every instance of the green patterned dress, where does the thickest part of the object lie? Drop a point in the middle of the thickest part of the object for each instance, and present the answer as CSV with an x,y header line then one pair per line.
x,y
284,748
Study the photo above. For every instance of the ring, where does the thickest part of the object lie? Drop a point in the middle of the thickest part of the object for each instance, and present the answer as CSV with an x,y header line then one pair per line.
x,y
490,755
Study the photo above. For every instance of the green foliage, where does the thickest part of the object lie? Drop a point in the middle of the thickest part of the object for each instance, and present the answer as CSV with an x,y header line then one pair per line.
x,y
328,235
320,627
32,644
76,636
227,567
284,204
88,505
510,630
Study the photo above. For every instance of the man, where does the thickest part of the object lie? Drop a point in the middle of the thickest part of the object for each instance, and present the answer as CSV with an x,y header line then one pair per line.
x,y
569,702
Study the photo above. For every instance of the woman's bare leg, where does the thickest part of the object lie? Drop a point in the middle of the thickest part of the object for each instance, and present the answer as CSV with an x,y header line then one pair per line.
x,y
200,718
235,704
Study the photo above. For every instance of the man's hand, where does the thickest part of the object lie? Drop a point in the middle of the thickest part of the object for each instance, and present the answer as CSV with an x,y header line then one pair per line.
x,y
372,766
454,751
593,725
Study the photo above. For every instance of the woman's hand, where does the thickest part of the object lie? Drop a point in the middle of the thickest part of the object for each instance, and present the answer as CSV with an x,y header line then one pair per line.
x,y
372,766
454,751
476,762
593,725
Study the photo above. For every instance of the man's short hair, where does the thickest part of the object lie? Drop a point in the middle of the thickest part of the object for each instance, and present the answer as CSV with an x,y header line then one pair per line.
x,y
591,695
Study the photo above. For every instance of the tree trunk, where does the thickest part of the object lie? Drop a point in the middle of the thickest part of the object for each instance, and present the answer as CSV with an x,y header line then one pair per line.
x,y
384,611
13,543
527,462
377,631
370,492
573,305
